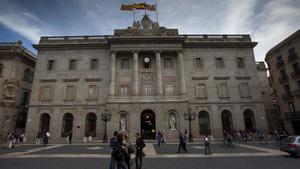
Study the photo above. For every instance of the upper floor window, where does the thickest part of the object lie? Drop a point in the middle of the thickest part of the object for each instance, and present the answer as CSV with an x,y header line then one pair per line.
x,y
24,100
147,90
51,64
220,63
223,90
279,60
292,51
124,63
282,72
244,90
169,90
296,67
198,63
46,93
124,90
28,75
93,92
72,64
94,64
1,69
147,63
70,92
291,106
201,90
240,62
168,63
287,89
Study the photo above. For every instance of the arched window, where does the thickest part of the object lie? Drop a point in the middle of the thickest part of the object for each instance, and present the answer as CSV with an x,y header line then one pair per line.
x,y
90,124
249,120
227,121
67,124
44,123
1,69
123,122
172,120
204,123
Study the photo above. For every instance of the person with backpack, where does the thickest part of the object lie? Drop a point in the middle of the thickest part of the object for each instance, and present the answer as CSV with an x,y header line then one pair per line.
x,y
207,145
119,152
112,144
140,144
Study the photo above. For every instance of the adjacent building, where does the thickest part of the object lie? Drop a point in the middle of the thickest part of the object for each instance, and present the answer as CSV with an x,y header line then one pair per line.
x,y
145,77
283,62
16,76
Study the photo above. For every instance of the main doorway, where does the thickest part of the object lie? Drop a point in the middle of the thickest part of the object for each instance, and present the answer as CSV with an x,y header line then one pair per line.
x,y
148,124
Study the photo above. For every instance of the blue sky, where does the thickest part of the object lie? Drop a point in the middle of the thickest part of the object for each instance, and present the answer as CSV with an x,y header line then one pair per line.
x,y
268,21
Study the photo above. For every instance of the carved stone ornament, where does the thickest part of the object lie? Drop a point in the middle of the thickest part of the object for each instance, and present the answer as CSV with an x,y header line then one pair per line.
x,y
10,89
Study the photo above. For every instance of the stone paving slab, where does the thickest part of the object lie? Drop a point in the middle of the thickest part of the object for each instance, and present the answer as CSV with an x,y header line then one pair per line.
x,y
18,148
199,149
77,149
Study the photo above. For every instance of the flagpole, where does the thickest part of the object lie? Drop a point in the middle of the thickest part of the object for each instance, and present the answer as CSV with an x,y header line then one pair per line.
x,y
133,14
156,12
145,7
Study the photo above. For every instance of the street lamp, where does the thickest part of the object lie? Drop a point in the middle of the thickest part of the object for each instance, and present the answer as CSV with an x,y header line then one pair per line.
x,y
190,116
105,116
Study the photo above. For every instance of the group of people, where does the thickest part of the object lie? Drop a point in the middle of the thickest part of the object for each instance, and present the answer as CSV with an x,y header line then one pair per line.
x,y
42,138
12,138
122,148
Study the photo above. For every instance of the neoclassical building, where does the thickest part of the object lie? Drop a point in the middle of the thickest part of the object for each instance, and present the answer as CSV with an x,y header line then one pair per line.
x,y
146,77
16,76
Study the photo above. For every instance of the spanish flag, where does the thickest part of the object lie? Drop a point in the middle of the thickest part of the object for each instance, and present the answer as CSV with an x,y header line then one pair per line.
x,y
127,7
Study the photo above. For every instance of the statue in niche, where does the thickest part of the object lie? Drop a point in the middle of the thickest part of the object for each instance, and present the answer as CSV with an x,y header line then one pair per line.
x,y
123,124
172,122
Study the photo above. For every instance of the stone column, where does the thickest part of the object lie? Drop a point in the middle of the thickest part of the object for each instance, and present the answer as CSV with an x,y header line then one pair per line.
x,y
181,72
159,90
135,73
112,73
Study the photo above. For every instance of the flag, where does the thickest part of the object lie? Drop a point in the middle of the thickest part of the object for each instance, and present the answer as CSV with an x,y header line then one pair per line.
x,y
150,7
139,6
127,7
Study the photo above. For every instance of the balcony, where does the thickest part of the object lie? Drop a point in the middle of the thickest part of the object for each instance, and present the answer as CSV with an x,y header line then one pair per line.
x,y
287,96
292,115
280,63
292,57
297,93
283,79
295,75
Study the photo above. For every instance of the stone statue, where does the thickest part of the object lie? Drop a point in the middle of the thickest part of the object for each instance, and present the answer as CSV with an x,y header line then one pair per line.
x,y
123,124
172,122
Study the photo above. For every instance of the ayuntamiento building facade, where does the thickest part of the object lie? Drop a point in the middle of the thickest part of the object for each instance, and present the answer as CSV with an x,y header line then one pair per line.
x,y
146,76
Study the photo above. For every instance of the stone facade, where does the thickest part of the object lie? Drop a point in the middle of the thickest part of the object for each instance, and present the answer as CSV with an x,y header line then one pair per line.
x,y
283,63
16,76
145,76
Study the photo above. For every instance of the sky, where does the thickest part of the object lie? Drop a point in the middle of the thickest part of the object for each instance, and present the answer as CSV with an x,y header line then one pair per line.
x,y
267,21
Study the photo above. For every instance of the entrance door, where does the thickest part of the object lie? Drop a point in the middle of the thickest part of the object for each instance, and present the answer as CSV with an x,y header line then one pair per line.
x,y
148,124
296,127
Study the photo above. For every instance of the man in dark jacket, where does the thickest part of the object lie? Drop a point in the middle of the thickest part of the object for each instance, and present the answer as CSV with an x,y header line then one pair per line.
x,y
181,142
112,145
140,144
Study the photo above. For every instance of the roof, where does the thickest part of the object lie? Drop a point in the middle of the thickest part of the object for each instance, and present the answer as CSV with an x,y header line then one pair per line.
x,y
17,47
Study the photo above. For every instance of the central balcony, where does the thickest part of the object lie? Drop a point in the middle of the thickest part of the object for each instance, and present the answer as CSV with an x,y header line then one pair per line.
x,y
147,99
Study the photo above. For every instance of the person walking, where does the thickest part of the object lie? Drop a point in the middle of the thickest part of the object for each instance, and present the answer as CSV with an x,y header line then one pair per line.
x,y
181,143
70,137
46,138
11,139
119,152
185,136
207,145
158,138
140,144
129,150
112,145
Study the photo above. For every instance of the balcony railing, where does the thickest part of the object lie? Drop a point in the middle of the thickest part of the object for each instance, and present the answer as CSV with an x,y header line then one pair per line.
x,y
292,57
297,93
292,115
287,96
283,79
295,75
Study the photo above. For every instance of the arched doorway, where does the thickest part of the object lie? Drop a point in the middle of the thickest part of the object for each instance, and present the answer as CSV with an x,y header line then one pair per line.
x,y
90,124
227,121
204,123
249,120
148,124
44,123
67,124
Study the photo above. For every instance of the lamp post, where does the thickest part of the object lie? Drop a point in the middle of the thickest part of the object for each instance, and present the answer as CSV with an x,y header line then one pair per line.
x,y
105,116
190,116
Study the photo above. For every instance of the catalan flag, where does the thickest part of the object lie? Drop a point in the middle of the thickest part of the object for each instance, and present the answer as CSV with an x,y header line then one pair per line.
x,y
126,7
139,6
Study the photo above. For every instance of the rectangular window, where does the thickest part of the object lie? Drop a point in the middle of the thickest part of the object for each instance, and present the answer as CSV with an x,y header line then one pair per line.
x,y
147,90
244,90
125,63
279,60
94,64
220,63
124,90
240,62
70,92
46,93
223,90
201,90
287,89
296,67
198,63
72,64
168,63
51,65
93,92
169,90
291,106
24,98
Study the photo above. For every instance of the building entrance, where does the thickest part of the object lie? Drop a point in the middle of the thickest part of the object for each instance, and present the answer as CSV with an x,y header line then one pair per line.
x,y
148,124
296,127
